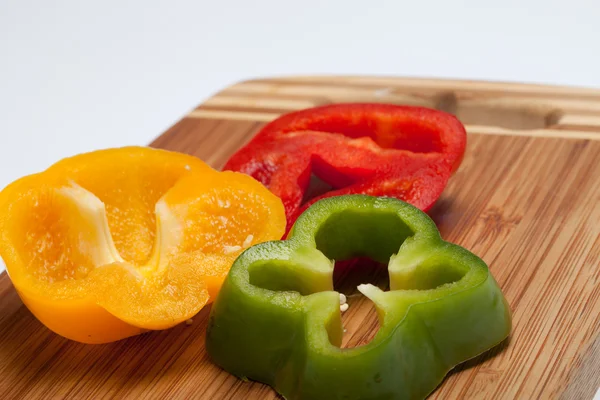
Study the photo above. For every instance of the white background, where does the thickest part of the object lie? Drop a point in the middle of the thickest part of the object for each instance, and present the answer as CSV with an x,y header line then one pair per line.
x,y
80,75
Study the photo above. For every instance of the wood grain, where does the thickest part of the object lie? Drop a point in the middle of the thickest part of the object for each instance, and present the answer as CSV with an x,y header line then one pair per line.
x,y
526,199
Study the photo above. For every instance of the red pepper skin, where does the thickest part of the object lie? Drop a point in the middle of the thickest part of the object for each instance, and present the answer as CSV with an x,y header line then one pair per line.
x,y
378,149
416,129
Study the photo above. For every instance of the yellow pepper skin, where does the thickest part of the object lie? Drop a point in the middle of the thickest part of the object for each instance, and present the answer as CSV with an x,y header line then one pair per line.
x,y
112,243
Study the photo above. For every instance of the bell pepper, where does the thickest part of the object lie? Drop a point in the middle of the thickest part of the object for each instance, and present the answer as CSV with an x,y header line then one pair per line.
x,y
377,149
277,319
112,243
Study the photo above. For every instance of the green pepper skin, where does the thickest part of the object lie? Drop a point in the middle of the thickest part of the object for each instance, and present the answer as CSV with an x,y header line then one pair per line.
x,y
277,320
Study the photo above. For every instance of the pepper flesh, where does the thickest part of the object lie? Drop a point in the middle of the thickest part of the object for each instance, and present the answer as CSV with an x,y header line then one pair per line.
x,y
277,319
376,149
108,244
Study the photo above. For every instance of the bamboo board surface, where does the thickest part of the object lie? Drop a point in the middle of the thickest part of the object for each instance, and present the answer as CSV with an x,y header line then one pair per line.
x,y
526,199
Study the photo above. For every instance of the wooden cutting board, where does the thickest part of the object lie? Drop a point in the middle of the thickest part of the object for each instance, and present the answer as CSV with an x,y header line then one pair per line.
x,y
526,199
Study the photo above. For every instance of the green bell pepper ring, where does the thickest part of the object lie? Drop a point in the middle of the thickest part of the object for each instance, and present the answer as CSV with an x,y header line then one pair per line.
x,y
277,319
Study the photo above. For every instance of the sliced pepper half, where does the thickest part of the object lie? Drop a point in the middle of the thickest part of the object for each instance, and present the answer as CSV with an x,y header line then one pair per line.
x,y
277,319
108,244
377,149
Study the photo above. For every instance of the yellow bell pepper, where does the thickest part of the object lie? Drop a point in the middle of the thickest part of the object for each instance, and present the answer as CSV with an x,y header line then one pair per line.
x,y
109,244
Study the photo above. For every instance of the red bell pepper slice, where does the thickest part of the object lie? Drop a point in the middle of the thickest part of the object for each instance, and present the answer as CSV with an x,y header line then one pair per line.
x,y
378,149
